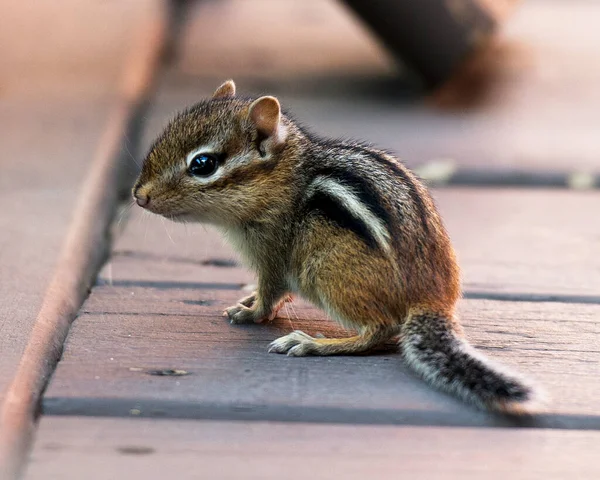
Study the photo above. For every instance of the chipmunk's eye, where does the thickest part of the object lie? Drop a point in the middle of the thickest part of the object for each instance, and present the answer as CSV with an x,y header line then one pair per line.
x,y
203,165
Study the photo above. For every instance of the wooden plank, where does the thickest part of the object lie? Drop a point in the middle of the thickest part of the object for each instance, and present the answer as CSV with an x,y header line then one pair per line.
x,y
126,333
92,448
159,306
65,129
526,242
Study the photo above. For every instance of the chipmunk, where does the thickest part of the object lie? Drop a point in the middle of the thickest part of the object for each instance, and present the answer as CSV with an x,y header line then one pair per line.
x,y
344,225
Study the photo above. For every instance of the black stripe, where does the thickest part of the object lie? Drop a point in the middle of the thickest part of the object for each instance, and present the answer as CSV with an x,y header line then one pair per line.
x,y
400,171
321,203
360,186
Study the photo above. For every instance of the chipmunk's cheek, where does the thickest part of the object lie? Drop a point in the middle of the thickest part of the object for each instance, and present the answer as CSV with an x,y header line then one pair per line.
x,y
160,206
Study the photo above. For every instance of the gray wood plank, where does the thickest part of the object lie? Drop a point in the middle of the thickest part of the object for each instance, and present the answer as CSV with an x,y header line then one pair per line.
x,y
92,448
526,241
158,307
123,336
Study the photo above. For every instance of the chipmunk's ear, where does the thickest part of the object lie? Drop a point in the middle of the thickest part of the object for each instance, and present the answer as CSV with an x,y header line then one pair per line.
x,y
265,114
225,90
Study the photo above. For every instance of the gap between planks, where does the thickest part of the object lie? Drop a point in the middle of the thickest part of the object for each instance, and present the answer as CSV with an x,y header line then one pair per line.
x,y
165,409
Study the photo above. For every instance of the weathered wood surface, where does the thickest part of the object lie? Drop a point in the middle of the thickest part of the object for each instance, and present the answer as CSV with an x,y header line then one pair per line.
x,y
54,132
92,448
159,307
533,244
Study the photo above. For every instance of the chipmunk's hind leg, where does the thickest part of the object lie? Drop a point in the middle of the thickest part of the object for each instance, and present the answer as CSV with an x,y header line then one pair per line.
x,y
299,344
350,281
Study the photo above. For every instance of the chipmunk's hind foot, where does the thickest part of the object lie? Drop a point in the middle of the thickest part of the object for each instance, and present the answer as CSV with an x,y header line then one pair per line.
x,y
299,344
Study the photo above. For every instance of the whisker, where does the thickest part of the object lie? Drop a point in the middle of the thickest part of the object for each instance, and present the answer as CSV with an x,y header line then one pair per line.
x,y
162,220
139,165
145,218
125,210
289,317
293,310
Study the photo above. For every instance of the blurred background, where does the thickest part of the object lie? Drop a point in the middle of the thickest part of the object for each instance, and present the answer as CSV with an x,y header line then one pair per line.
x,y
501,86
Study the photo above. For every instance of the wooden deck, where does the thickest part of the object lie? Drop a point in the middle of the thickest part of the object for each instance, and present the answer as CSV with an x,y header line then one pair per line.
x,y
154,382
159,300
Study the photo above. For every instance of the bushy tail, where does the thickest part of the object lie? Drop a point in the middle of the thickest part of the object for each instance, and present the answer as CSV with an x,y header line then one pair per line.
x,y
432,347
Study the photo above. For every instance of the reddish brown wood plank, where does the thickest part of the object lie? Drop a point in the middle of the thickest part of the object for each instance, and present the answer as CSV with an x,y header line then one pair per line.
x,y
508,241
538,242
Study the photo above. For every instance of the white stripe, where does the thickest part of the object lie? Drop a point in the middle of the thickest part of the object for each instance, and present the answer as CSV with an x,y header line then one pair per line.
x,y
346,196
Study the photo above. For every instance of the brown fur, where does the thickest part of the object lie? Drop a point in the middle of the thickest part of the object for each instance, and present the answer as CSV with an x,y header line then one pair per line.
x,y
344,225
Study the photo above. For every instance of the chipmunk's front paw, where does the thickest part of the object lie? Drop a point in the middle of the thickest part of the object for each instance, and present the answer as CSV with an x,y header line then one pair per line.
x,y
296,344
239,314
249,300
246,310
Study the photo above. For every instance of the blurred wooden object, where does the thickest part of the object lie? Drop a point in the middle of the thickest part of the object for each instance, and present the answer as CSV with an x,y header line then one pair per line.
x,y
433,37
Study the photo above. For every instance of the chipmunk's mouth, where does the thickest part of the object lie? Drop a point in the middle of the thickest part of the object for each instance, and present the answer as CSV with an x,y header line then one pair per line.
x,y
180,216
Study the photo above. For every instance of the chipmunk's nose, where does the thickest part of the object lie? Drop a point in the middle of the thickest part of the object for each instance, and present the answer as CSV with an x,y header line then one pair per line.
x,y
141,198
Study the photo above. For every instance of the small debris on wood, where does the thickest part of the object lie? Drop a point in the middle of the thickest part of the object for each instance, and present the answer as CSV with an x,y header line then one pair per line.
x,y
168,373
198,302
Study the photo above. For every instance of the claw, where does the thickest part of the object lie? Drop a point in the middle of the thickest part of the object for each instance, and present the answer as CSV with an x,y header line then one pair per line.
x,y
239,314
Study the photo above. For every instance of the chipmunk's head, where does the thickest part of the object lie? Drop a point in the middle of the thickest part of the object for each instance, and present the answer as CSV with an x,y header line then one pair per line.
x,y
216,161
